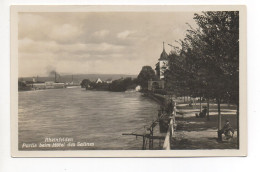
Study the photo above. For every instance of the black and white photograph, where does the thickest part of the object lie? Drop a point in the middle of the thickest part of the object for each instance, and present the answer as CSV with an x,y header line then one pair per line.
x,y
128,82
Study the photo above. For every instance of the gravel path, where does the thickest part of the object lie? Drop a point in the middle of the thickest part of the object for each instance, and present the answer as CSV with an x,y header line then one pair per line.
x,y
198,133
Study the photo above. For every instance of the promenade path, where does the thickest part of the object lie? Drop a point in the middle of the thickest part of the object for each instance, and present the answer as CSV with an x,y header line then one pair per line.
x,y
198,133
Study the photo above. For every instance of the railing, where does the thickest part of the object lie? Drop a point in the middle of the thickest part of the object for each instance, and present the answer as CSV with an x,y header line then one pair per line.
x,y
170,132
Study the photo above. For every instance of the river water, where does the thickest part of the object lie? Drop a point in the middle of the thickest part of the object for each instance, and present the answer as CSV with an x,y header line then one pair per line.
x,y
94,119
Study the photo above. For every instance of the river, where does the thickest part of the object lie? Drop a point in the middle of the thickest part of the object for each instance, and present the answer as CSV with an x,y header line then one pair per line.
x,y
97,118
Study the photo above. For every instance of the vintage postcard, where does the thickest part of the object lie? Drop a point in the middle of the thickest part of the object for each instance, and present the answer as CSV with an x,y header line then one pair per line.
x,y
128,81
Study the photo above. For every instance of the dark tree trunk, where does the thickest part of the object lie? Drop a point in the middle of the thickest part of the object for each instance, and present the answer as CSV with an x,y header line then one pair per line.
x,y
219,114
200,103
219,119
208,109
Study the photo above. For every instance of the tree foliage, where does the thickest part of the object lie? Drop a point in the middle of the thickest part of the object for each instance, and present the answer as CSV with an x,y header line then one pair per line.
x,y
122,84
85,83
146,74
207,64
118,85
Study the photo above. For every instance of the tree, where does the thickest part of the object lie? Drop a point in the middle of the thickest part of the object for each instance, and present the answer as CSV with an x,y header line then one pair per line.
x,y
146,74
85,83
219,41
121,84
208,62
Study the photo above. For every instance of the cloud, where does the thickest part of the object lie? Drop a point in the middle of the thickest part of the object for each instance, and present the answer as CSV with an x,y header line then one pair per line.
x,y
108,42
101,33
27,45
65,33
49,27
125,34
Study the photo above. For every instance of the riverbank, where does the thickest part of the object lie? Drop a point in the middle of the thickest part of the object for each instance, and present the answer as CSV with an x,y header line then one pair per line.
x,y
160,99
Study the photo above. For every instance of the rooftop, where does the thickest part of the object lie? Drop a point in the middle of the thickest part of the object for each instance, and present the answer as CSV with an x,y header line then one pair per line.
x,y
164,55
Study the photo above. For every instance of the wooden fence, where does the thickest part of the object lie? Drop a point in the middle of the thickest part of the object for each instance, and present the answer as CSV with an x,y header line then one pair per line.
x,y
170,132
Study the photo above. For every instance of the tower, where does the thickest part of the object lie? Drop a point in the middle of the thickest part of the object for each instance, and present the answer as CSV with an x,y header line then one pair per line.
x,y
162,64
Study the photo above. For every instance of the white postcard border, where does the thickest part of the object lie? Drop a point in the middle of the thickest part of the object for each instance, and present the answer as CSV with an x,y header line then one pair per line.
x,y
242,151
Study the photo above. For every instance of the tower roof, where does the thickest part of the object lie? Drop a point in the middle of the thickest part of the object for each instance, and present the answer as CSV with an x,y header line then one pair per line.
x,y
164,55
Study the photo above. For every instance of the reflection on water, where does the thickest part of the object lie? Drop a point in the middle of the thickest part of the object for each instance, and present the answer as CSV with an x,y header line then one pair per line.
x,y
97,117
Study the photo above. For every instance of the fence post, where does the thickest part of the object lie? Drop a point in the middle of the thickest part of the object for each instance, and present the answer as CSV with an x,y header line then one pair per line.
x,y
170,132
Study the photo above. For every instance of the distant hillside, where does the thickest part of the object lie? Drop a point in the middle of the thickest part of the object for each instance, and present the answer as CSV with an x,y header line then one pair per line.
x,y
80,77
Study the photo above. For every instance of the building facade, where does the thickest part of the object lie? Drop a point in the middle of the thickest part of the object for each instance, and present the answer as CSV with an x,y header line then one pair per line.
x,y
162,64
47,85
160,67
98,81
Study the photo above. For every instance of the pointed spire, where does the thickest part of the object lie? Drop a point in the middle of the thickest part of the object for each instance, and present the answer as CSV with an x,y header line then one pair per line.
x,y
164,55
163,45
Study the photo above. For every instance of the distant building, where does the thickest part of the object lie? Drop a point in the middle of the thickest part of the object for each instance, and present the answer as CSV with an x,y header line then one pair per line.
x,y
153,85
39,86
72,83
28,83
47,85
109,81
99,80
138,88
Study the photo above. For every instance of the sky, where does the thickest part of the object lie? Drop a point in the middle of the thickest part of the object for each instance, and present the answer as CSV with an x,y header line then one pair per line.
x,y
96,42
